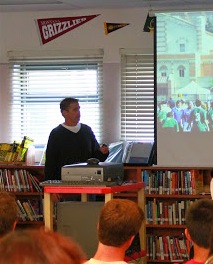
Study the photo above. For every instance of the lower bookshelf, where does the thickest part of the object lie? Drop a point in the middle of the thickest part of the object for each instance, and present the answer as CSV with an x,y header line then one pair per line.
x,y
168,193
23,182
165,225
166,190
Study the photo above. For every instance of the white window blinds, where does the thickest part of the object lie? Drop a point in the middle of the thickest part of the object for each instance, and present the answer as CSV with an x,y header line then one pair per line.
x,y
39,85
137,97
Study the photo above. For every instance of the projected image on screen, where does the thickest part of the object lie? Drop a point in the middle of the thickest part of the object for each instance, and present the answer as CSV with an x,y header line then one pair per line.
x,y
185,71
184,87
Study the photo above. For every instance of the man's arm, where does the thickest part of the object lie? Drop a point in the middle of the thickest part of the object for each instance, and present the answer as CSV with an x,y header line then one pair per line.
x,y
50,168
99,152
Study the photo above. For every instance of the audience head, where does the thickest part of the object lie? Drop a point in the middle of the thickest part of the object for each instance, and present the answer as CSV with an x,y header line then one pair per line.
x,y
199,221
119,221
8,212
34,246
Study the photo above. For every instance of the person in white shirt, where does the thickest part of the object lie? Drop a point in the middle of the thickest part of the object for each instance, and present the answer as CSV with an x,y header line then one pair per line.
x,y
119,223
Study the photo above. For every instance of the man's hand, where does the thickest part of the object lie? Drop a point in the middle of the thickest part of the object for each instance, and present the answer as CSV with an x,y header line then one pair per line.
x,y
104,149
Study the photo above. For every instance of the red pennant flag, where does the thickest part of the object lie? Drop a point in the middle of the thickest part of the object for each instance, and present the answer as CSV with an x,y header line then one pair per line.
x,y
110,27
51,28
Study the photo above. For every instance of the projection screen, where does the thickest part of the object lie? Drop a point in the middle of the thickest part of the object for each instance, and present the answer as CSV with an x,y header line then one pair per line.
x,y
184,88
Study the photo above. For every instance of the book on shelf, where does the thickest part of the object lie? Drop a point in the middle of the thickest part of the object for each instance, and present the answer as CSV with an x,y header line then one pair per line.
x,y
16,151
166,248
26,179
177,248
22,180
24,215
154,214
35,182
160,182
197,181
28,211
23,147
150,212
30,182
166,213
169,247
4,148
9,180
151,252
170,214
36,208
183,248
21,214
160,204
174,217
161,247
145,179
173,255
14,183
34,214
157,248
1,181
18,182
177,182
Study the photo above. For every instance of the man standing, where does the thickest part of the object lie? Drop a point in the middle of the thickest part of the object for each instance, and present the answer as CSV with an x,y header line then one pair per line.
x,y
71,142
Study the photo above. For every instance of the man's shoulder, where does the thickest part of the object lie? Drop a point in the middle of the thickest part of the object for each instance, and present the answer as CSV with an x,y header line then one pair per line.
x,y
58,128
85,127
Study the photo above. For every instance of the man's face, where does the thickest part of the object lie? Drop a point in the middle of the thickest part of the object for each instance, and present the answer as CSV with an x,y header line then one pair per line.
x,y
73,114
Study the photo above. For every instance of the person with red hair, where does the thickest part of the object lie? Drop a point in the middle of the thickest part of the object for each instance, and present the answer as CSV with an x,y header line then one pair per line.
x,y
119,222
34,246
8,212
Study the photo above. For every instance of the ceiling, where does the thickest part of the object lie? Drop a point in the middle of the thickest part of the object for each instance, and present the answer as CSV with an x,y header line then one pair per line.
x,y
50,5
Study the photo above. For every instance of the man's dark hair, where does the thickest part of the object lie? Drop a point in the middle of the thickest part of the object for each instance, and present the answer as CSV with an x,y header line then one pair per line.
x,y
65,103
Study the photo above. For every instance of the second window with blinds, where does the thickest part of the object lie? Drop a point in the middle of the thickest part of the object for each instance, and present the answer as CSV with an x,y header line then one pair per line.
x,y
137,96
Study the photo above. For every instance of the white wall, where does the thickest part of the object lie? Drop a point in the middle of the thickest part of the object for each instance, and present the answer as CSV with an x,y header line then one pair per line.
x,y
18,32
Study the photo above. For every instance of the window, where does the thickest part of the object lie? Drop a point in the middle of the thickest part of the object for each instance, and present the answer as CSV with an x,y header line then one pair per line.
x,y
38,86
182,47
181,70
163,71
137,97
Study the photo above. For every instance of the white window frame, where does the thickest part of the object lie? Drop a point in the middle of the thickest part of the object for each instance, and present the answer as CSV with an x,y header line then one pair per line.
x,y
40,105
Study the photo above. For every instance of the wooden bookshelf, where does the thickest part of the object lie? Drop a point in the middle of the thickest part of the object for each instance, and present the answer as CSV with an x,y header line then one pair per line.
x,y
134,173
158,232
25,191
